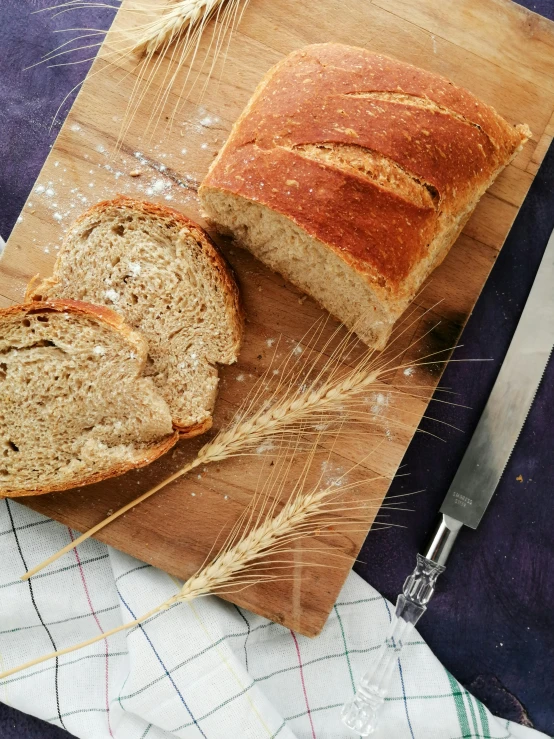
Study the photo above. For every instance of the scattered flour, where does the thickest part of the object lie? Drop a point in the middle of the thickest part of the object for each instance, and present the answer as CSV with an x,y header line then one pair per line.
x,y
332,476
380,402
266,446
112,295
158,186
209,121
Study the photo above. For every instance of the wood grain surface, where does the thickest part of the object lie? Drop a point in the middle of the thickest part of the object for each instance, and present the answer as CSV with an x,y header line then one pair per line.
x,y
495,48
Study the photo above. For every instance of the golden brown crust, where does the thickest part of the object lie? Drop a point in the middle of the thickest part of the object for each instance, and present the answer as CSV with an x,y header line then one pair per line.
x,y
188,432
442,136
150,456
102,315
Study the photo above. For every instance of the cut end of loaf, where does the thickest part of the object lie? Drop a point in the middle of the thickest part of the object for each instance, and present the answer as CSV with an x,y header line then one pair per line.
x,y
166,278
306,262
355,184
76,407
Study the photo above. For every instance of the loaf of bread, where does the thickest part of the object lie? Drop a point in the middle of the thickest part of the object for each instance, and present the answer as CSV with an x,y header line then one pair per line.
x,y
76,407
352,174
165,277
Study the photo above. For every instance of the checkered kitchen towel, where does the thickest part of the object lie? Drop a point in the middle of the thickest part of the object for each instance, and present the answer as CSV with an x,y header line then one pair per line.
x,y
204,669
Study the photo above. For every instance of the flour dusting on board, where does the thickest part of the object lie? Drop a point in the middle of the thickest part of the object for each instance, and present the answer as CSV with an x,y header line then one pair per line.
x,y
379,402
332,475
161,176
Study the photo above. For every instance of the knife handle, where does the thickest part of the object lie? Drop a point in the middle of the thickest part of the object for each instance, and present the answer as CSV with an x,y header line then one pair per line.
x,y
361,714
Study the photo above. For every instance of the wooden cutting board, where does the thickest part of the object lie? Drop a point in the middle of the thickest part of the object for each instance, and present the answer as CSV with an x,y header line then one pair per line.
x,y
500,51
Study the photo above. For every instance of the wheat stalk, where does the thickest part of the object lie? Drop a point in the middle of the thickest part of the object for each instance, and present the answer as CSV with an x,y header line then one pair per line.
x,y
181,14
332,393
260,533
173,36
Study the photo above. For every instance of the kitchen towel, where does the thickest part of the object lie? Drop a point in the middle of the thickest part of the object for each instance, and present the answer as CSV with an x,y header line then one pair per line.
x,y
201,669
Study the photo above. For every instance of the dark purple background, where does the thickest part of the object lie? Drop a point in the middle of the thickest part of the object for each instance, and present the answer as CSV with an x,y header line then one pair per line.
x,y
491,622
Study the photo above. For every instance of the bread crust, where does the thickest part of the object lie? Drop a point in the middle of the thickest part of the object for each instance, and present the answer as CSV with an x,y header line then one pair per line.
x,y
223,270
102,315
441,135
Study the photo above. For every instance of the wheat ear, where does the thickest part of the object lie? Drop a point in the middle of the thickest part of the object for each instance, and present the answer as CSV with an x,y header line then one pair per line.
x,y
234,568
180,15
330,394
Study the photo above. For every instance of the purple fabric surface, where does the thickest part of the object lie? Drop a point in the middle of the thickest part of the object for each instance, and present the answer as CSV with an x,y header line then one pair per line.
x,y
491,622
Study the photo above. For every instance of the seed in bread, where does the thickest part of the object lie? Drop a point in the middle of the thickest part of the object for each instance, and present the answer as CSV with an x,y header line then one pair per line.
x,y
352,174
76,407
165,277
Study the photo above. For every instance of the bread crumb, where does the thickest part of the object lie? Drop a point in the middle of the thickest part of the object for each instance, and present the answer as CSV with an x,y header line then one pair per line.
x,y
135,173
519,478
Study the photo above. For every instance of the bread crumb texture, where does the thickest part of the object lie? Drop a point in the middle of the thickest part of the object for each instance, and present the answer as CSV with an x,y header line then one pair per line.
x,y
165,277
76,407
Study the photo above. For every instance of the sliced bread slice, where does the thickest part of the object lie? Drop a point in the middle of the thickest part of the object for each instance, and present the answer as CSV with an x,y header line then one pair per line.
x,y
75,407
164,275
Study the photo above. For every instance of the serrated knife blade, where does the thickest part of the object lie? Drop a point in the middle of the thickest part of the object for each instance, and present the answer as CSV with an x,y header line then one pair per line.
x,y
509,403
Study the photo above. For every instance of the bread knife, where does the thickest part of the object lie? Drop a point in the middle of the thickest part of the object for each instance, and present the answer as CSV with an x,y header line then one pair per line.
x,y
473,485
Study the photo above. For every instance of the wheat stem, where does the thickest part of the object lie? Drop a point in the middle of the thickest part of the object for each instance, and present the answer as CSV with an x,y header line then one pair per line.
x,y
81,645
230,571
180,15
289,409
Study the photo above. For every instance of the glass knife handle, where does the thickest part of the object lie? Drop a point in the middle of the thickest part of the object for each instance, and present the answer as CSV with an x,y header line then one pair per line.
x,y
362,712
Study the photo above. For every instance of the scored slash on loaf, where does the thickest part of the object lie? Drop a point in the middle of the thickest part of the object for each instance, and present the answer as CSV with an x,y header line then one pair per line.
x,y
76,407
352,174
